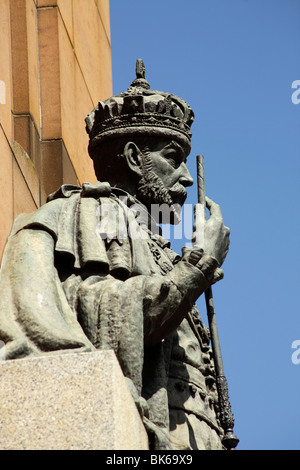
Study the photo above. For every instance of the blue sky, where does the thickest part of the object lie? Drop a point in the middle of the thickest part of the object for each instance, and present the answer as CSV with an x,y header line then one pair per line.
x,y
234,62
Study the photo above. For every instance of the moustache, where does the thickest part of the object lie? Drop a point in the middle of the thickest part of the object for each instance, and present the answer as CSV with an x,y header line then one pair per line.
x,y
178,192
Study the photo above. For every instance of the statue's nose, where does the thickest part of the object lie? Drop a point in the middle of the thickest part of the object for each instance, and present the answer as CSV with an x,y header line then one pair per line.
x,y
185,177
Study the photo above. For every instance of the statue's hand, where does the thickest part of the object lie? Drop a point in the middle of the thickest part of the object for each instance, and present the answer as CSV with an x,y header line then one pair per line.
x,y
206,263
210,237
216,234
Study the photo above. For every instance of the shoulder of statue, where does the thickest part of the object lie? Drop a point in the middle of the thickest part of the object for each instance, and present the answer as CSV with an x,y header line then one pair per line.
x,y
93,190
65,198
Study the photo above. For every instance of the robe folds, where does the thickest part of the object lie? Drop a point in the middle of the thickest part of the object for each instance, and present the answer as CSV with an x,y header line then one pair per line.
x,y
82,273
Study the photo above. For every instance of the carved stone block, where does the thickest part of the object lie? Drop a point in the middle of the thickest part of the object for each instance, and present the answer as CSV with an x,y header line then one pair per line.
x,y
68,402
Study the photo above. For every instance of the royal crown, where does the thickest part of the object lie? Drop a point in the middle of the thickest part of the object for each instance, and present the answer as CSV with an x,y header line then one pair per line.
x,y
140,111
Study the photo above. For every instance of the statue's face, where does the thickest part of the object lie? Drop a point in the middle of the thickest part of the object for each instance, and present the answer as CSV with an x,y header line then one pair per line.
x,y
165,177
169,164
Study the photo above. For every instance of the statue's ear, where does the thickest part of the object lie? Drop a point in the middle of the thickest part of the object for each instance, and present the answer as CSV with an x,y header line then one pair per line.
x,y
134,157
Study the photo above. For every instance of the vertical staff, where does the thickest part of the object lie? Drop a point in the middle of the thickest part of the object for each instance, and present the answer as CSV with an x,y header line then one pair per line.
x,y
229,440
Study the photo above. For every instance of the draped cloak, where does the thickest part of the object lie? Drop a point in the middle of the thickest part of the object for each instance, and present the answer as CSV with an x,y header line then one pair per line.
x,y
81,274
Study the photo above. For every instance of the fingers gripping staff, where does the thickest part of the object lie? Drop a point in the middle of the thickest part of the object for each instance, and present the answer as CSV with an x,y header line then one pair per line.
x,y
212,238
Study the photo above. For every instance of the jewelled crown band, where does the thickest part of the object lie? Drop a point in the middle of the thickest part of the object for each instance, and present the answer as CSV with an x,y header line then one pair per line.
x,y
140,111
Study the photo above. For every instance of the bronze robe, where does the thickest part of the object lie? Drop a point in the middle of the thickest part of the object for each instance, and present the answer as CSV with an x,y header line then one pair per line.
x,y
73,279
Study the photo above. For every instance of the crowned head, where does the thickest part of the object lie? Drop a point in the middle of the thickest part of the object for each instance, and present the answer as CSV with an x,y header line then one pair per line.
x,y
130,132
140,111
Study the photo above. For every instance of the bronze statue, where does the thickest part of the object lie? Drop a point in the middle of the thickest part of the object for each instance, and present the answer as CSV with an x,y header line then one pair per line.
x,y
90,269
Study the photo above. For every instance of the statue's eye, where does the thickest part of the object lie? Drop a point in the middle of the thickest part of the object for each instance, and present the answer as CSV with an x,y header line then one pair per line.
x,y
172,158
173,162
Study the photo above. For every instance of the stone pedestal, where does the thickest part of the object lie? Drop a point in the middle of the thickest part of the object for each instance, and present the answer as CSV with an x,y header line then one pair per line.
x,y
68,402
